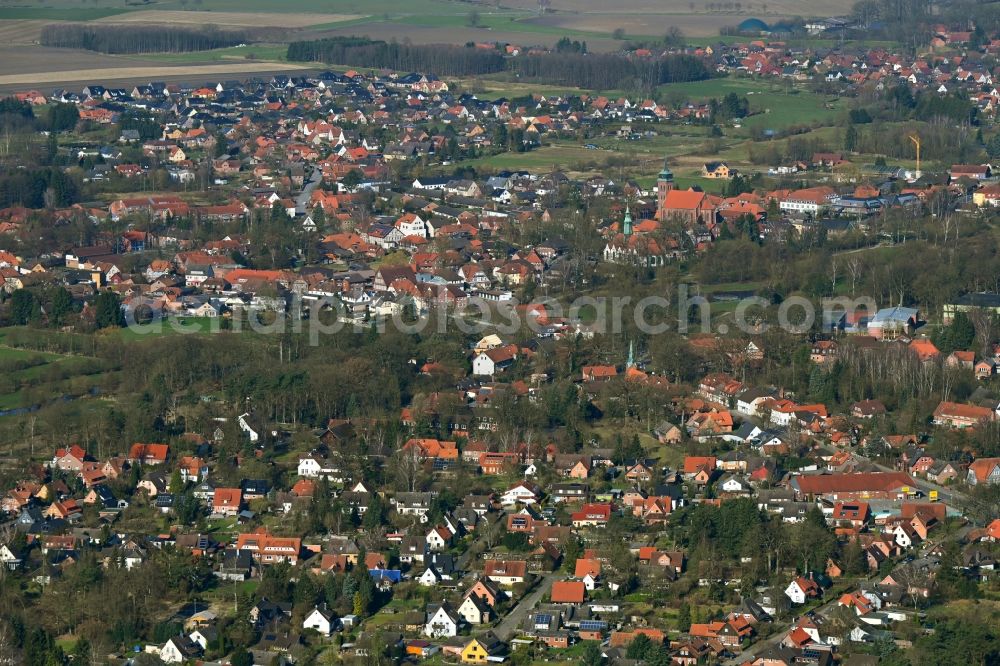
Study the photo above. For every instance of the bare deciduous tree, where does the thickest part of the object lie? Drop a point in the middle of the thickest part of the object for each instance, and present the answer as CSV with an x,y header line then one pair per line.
x,y
407,467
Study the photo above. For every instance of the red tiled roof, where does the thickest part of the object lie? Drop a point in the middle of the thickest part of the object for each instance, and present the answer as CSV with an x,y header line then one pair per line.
x,y
683,199
860,482
149,451
568,592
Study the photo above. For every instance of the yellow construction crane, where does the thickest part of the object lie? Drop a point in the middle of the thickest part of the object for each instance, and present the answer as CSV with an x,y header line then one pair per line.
x,y
916,142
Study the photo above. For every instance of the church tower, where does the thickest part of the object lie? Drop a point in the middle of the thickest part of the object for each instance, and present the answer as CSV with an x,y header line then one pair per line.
x,y
627,223
664,183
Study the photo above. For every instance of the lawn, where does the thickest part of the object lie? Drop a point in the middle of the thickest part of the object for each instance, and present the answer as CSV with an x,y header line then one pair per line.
x,y
13,353
222,529
728,286
703,90
633,158
67,642
667,455
774,105
491,88
662,145
710,185
545,158
171,326
49,376
777,111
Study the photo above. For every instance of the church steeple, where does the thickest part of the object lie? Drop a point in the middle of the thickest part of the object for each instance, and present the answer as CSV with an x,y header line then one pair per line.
x,y
666,175
664,183
627,222
631,355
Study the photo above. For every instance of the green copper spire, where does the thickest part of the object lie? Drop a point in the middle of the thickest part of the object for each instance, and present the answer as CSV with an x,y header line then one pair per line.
x,y
666,173
627,223
631,355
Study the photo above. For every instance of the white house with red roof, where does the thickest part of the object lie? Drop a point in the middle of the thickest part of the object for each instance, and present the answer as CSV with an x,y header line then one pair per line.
x,y
802,589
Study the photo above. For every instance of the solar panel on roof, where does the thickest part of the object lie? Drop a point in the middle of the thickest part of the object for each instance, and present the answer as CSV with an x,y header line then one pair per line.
x,y
543,618
592,625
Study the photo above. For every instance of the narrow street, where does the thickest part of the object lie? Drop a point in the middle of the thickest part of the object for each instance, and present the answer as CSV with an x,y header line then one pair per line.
x,y
477,546
508,626
302,201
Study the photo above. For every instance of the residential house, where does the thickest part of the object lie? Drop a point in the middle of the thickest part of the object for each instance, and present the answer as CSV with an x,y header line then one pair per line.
x,y
506,572
227,501
443,622
983,471
321,618
802,589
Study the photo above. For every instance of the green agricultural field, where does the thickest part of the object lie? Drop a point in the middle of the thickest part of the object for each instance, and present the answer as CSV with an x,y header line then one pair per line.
x,y
333,25
261,52
328,6
493,20
46,12
111,7
806,42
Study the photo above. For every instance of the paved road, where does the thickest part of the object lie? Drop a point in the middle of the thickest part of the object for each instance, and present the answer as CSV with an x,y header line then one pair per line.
x,y
509,625
478,546
302,201
749,653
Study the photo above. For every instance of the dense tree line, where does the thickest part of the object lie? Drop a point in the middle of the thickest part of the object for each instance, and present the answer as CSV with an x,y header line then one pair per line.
x,y
37,188
604,71
942,141
140,38
607,71
732,107
736,528
19,116
359,52
906,21
14,106
147,126
564,45
929,106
